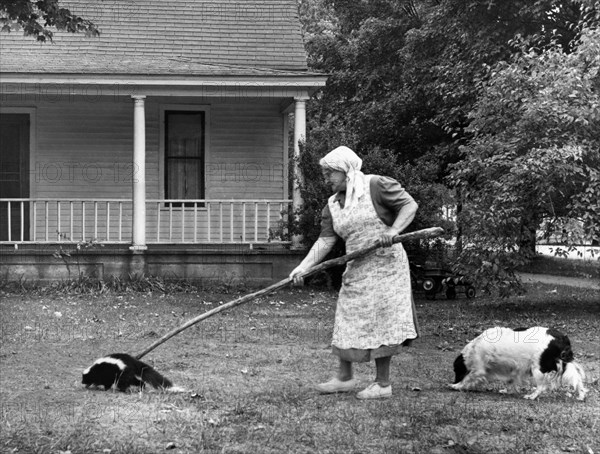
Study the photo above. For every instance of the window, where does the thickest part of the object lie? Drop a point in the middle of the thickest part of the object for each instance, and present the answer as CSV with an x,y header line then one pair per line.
x,y
185,133
14,174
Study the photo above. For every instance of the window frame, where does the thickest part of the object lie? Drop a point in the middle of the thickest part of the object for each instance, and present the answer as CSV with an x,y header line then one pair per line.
x,y
182,108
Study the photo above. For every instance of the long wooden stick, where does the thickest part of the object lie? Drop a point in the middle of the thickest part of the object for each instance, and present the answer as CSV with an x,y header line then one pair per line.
x,y
418,235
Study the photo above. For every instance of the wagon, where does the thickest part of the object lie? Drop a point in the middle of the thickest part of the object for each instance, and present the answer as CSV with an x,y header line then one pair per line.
x,y
432,280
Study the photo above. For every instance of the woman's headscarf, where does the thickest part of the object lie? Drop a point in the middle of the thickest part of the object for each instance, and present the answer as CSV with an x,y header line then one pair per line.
x,y
345,160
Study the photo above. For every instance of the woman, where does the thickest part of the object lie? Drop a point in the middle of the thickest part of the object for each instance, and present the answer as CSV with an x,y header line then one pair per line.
x,y
375,312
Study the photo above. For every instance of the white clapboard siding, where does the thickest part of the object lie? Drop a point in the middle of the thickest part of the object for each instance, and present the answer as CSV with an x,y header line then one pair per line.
x,y
246,152
84,151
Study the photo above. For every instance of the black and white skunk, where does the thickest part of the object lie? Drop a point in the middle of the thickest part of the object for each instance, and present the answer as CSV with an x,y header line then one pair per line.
x,y
512,356
122,371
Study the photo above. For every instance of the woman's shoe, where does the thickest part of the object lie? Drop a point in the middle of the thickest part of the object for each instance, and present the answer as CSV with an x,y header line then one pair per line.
x,y
375,391
335,385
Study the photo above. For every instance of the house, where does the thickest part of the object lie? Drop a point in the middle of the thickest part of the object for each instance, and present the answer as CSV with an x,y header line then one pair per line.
x,y
159,147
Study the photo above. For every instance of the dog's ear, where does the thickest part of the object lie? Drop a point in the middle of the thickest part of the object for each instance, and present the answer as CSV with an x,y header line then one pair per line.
x,y
567,354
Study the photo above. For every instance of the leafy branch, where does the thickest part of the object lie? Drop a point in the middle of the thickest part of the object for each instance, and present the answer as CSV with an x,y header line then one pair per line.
x,y
36,18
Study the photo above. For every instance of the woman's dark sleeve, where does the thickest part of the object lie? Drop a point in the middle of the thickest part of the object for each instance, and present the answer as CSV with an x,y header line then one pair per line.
x,y
327,224
391,195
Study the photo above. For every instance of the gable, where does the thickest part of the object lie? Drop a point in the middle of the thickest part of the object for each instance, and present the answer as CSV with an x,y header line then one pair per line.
x,y
175,37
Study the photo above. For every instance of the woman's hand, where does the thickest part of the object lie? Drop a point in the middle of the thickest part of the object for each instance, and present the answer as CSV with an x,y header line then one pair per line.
x,y
403,219
295,275
387,238
317,252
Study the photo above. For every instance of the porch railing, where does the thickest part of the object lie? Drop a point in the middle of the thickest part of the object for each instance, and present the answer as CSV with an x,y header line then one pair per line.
x,y
216,221
40,220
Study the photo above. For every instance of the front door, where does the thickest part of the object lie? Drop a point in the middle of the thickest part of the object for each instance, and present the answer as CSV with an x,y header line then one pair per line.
x,y
14,176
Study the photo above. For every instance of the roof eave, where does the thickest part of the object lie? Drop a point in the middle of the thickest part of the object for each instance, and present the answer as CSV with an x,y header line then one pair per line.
x,y
279,85
298,78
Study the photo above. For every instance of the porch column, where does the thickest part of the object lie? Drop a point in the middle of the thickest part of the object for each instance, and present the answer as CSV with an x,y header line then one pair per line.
x,y
139,174
299,136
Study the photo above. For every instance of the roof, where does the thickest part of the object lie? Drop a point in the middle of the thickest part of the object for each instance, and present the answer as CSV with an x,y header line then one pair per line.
x,y
170,38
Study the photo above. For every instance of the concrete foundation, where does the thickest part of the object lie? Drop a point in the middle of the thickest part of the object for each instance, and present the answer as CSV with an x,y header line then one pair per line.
x,y
257,265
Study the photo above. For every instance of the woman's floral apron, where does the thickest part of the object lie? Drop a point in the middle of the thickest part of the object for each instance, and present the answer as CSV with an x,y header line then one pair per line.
x,y
375,306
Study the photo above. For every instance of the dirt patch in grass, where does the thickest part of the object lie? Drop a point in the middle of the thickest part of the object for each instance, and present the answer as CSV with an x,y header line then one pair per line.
x,y
249,373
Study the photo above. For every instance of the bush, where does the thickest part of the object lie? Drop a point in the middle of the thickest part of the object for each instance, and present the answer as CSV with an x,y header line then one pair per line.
x,y
307,221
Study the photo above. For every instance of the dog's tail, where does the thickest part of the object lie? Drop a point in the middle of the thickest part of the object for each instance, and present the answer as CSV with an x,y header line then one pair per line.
x,y
154,379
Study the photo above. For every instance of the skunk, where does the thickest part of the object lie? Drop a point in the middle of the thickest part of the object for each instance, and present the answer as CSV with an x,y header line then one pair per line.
x,y
122,371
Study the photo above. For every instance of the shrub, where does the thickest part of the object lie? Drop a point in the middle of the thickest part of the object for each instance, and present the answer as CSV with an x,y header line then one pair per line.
x,y
307,220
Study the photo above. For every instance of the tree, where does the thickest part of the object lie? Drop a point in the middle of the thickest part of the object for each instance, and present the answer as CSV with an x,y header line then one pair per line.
x,y
533,155
402,72
36,18
413,81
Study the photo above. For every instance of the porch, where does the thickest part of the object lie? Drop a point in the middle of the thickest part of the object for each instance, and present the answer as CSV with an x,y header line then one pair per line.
x,y
120,212
76,201
242,240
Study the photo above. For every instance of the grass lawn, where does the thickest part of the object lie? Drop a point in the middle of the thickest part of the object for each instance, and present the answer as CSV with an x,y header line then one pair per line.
x,y
250,372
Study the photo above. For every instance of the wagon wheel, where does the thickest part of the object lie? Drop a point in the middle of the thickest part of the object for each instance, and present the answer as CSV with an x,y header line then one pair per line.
x,y
429,285
451,293
470,291
430,288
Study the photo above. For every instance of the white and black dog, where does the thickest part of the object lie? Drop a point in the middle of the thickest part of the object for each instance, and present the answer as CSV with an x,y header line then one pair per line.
x,y
513,356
